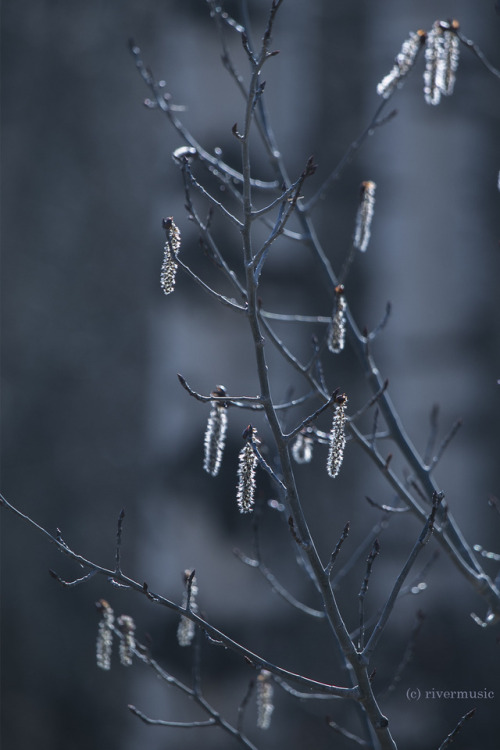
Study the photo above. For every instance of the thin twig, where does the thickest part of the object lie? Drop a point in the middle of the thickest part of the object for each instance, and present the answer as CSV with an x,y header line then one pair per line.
x,y
452,735
277,587
445,443
213,632
387,508
362,593
119,533
408,653
480,55
312,417
419,545
174,724
163,103
338,546
345,733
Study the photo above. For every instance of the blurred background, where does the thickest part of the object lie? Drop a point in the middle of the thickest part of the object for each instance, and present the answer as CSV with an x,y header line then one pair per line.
x,y
94,419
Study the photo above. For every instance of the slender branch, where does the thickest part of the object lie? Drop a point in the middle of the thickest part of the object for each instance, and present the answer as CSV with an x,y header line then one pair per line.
x,y
480,55
213,201
445,443
362,593
409,652
174,724
452,735
312,417
419,545
354,147
119,533
76,582
277,587
338,547
387,508
163,103
225,399
220,297
345,733
213,632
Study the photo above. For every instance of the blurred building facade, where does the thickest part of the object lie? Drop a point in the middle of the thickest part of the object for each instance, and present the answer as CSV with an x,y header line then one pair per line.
x,y
93,417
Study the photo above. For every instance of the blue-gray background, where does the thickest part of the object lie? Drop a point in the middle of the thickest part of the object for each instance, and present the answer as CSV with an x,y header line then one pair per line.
x,y
95,421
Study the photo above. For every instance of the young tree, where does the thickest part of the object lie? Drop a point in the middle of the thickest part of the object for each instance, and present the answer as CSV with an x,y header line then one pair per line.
x,y
303,416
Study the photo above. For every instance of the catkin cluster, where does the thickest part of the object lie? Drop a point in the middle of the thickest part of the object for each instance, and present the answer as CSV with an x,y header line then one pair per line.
x,y
105,631
441,58
442,53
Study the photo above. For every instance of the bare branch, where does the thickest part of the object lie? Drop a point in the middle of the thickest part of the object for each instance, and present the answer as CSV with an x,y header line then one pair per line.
x,y
277,587
451,737
119,532
174,724
338,546
419,545
345,733
362,593
445,443
163,103
480,55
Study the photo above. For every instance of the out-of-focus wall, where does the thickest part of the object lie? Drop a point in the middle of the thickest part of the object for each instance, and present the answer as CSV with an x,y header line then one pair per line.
x,y
93,417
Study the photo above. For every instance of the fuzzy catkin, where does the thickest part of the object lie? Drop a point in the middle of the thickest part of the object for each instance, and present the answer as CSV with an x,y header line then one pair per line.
x,y
265,706
337,330
441,61
215,434
104,642
337,438
247,462
170,250
364,216
402,64
127,642
302,449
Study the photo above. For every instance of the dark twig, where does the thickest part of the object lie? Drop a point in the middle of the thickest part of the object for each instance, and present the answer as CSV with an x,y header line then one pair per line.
x,y
431,442
119,533
380,327
277,587
163,103
243,705
174,724
387,508
263,463
419,545
76,582
494,503
338,546
362,548
452,735
409,652
362,593
480,55
312,417
345,733
354,147
445,443
214,633
370,403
